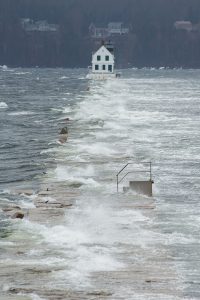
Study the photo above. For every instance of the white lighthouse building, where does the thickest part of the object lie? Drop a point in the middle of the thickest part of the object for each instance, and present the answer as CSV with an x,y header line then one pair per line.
x,y
103,63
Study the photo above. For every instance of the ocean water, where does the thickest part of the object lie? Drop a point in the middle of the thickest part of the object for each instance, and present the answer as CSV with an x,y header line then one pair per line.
x,y
104,247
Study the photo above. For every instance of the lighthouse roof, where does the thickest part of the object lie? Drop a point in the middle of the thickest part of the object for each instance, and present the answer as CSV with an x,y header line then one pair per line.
x,y
103,49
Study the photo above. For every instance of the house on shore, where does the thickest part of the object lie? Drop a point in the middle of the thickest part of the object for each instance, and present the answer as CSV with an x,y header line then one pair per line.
x,y
113,28
187,26
42,26
183,25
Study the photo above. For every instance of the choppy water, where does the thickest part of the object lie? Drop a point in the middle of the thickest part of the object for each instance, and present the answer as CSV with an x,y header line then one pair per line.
x,y
146,115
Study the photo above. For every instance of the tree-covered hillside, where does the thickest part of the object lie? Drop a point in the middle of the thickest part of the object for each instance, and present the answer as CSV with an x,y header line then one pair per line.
x,y
153,39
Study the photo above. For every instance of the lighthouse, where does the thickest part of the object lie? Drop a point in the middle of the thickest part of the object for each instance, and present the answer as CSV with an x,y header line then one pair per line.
x,y
103,61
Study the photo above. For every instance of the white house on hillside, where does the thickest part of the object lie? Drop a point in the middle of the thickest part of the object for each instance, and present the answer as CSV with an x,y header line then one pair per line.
x,y
183,25
117,28
102,32
30,26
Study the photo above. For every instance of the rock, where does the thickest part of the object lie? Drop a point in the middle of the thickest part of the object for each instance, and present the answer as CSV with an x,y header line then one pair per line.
x,y
62,138
13,211
67,205
13,290
10,208
25,192
18,215
99,293
63,135
64,130
20,253
44,193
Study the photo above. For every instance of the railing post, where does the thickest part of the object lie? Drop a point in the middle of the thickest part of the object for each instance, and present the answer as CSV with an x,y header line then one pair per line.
x,y
150,170
117,184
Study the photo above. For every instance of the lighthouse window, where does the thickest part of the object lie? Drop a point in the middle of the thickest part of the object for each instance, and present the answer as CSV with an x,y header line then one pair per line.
x,y
96,67
98,57
104,67
107,57
110,68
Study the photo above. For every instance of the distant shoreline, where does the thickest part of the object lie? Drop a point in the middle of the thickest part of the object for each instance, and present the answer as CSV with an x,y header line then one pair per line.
x,y
4,67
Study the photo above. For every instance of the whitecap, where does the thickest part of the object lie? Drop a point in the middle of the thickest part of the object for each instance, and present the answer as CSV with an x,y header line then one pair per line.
x,y
22,73
3,105
35,297
21,113
50,150
179,238
67,110
64,77
97,149
56,109
26,204
4,243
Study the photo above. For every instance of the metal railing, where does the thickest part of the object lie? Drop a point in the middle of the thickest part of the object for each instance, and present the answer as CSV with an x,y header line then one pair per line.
x,y
133,163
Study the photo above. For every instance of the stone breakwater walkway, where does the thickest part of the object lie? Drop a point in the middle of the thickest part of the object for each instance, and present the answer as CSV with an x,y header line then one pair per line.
x,y
146,272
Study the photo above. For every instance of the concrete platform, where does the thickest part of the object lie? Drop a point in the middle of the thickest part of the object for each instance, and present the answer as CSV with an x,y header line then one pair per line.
x,y
140,187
